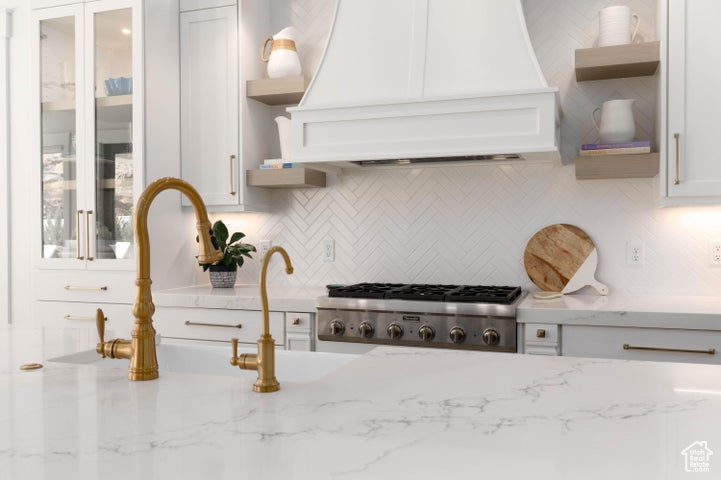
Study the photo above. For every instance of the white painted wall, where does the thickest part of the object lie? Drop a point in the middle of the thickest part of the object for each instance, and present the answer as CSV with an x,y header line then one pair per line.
x,y
471,224
5,34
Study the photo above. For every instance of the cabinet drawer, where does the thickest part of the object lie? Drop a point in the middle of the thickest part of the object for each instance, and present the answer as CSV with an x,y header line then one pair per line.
x,y
541,339
64,286
216,324
298,322
666,345
82,315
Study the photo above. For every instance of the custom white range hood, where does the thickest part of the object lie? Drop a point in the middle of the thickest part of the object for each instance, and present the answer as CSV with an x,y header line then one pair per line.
x,y
406,81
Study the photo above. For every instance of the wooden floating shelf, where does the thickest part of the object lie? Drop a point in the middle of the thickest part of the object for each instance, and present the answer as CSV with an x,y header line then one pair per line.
x,y
277,91
285,178
618,61
640,165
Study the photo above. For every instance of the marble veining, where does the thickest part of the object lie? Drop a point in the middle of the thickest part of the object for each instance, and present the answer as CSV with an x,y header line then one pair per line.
x,y
391,413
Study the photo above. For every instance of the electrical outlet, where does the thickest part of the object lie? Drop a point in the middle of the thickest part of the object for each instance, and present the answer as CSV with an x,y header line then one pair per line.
x,y
264,247
714,251
634,254
328,250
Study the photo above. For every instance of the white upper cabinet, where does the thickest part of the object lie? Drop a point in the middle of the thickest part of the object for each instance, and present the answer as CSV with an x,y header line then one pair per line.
x,y
88,133
691,173
222,133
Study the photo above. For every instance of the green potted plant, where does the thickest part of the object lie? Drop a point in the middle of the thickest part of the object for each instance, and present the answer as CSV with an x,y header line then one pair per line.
x,y
224,272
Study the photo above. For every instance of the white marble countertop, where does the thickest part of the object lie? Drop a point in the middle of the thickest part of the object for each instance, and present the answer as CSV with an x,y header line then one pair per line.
x,y
389,414
624,311
242,297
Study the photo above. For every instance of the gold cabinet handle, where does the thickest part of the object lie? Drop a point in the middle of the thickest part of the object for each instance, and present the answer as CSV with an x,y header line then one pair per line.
x,y
540,333
296,321
77,287
87,234
232,183
709,351
200,324
77,235
80,318
677,178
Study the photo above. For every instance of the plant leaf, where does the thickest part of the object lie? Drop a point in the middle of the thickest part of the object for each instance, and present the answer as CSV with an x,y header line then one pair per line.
x,y
235,237
221,233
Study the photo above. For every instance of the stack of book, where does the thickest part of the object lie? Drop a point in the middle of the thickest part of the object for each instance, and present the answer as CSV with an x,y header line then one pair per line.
x,y
274,163
622,148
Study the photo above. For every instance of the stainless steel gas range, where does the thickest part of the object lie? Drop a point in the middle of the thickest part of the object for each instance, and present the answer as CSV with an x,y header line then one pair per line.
x,y
443,316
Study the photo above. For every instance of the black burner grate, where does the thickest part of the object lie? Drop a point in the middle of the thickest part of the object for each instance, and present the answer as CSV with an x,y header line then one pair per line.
x,y
436,293
491,294
363,290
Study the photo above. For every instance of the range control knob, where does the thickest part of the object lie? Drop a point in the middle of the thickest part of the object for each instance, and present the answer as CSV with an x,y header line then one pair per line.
x,y
426,333
491,336
337,327
366,330
458,335
395,331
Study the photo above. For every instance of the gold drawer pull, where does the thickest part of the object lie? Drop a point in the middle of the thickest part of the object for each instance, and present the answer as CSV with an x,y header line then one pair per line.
x,y
710,351
76,287
76,317
232,182
677,178
296,321
200,324
541,333
87,235
77,235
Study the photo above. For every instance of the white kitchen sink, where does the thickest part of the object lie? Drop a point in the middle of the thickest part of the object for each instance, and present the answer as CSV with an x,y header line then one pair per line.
x,y
210,360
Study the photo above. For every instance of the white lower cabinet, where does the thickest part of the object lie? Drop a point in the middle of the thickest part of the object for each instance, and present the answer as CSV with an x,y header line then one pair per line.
x,y
290,330
119,317
214,324
541,339
299,331
630,343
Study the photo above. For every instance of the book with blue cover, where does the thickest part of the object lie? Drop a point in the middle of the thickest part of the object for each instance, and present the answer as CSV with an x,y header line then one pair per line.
x,y
609,146
280,165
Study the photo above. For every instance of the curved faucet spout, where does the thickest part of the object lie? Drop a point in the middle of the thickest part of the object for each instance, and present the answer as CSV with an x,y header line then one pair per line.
x,y
264,360
143,360
263,289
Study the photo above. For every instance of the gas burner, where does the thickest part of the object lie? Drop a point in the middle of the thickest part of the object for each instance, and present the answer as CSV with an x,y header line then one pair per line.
x,y
493,294
363,290
436,293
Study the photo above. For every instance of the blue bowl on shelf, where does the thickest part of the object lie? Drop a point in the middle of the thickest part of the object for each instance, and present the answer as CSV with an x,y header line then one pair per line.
x,y
118,86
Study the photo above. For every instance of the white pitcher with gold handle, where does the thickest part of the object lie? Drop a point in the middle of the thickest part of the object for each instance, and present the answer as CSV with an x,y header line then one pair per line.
x,y
617,124
283,59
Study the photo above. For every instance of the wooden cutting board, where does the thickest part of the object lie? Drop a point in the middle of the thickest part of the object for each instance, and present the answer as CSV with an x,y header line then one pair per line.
x,y
556,253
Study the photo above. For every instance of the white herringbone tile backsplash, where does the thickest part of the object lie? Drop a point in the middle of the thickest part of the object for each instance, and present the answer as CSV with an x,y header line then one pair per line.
x,y
470,224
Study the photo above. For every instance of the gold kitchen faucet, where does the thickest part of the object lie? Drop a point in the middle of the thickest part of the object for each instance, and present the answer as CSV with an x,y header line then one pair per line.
x,y
141,349
264,360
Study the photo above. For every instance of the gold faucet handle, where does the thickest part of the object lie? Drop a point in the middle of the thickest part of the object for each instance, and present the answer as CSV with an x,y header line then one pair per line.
x,y
100,325
234,346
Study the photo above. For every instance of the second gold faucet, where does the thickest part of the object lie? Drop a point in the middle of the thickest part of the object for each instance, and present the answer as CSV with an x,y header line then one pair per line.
x,y
264,360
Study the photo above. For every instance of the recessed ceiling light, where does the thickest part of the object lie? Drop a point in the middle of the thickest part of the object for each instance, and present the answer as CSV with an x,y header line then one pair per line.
x,y
126,31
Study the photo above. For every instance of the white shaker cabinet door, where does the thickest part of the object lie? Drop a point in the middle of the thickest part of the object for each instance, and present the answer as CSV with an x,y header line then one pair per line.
x,y
209,103
693,163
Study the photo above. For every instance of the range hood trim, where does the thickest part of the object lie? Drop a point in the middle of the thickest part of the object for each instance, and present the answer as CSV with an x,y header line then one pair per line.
x,y
338,135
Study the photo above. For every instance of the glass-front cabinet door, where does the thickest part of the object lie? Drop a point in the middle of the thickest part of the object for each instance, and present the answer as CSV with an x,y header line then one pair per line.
x,y
90,123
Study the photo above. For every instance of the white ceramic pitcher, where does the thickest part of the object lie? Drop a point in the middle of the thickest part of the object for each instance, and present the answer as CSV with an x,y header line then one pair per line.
x,y
617,124
283,59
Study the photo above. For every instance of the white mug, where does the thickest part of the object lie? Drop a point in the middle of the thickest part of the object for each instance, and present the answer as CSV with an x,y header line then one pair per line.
x,y
617,124
614,26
